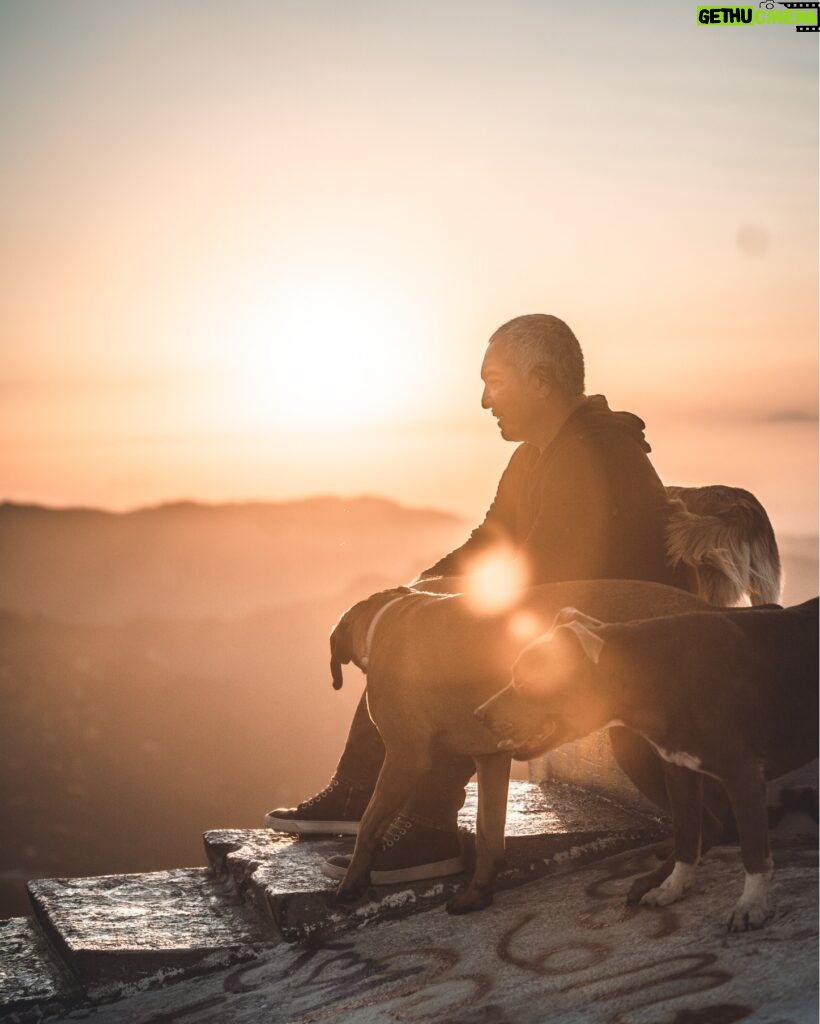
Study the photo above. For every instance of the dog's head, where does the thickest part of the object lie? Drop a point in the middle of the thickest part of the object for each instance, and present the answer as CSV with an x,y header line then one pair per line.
x,y
348,639
553,697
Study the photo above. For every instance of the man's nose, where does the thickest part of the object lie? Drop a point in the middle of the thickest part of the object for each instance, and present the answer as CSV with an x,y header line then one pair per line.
x,y
486,400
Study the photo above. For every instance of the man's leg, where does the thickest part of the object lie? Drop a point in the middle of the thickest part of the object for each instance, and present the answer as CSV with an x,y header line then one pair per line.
x,y
422,841
339,806
440,795
363,753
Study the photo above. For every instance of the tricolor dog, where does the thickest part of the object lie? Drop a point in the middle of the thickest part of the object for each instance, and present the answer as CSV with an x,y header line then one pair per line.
x,y
731,694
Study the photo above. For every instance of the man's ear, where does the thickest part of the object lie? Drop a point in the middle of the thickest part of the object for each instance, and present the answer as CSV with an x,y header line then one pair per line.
x,y
591,643
341,651
569,614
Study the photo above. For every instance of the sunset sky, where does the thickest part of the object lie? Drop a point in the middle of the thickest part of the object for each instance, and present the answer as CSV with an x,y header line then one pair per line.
x,y
255,249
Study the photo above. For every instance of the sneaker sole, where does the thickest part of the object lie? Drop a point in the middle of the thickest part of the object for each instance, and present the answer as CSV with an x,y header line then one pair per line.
x,y
313,828
416,873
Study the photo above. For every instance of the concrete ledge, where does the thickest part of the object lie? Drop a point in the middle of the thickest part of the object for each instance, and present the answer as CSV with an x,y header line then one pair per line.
x,y
566,950
300,903
114,929
32,984
121,935
549,829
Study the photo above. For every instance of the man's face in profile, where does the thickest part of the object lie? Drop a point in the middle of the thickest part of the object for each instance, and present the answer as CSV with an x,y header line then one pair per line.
x,y
517,400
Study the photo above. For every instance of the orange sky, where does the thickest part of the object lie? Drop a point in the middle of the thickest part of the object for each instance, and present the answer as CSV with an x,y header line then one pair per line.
x,y
255,250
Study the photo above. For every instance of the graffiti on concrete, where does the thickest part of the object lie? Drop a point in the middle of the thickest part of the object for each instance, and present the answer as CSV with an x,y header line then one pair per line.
x,y
476,970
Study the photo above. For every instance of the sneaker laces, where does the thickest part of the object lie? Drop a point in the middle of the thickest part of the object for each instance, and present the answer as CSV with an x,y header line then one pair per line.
x,y
397,828
322,794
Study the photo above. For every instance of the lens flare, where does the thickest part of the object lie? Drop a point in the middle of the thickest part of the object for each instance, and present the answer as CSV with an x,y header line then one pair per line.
x,y
526,626
548,666
496,581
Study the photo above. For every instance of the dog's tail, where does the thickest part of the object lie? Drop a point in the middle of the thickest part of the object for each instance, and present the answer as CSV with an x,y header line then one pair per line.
x,y
724,536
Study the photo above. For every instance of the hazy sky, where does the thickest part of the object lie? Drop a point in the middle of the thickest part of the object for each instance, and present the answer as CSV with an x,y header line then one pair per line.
x,y
255,249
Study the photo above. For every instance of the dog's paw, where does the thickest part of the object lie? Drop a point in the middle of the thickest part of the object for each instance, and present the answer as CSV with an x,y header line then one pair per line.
x,y
661,897
671,889
748,915
641,886
468,900
752,909
348,893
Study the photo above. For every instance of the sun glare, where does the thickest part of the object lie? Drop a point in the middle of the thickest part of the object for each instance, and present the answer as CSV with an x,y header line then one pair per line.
x,y
526,626
317,355
495,582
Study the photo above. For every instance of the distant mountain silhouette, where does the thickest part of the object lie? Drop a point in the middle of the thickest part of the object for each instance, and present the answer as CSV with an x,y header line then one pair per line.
x,y
192,560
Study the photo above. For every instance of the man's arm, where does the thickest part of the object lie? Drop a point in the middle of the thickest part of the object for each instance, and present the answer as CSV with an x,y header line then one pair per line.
x,y
566,516
498,527
488,535
439,584
594,512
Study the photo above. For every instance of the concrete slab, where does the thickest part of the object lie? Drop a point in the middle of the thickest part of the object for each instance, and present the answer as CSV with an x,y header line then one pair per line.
x,y
558,808
549,831
32,983
116,929
565,949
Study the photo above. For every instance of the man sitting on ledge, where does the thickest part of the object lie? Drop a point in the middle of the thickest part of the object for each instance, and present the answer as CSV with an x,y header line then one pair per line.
x,y
578,500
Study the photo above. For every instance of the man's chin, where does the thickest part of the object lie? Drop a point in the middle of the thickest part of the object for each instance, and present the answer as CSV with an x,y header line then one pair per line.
x,y
509,433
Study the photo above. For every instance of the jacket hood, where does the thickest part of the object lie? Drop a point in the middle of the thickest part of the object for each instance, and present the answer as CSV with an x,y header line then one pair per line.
x,y
595,415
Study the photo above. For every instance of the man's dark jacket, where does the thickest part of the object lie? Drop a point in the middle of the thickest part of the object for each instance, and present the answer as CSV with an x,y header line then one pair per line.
x,y
590,506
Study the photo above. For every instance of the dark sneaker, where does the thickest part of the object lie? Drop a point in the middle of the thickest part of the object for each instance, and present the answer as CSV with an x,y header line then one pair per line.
x,y
409,852
335,811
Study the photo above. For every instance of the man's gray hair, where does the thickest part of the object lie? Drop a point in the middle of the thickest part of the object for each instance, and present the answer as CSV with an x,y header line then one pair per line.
x,y
539,341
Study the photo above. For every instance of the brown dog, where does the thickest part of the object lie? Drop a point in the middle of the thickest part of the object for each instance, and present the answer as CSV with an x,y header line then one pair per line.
x,y
430,659
731,694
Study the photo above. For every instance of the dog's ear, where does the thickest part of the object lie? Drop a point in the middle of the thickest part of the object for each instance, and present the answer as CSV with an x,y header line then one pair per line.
x,y
341,639
591,643
569,614
341,651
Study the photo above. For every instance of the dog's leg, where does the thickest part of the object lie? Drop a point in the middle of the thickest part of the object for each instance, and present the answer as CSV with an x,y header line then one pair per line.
x,y
398,777
746,787
493,782
641,763
712,831
646,770
685,791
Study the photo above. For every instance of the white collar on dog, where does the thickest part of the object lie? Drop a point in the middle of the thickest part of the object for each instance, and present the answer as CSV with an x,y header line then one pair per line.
x,y
371,629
